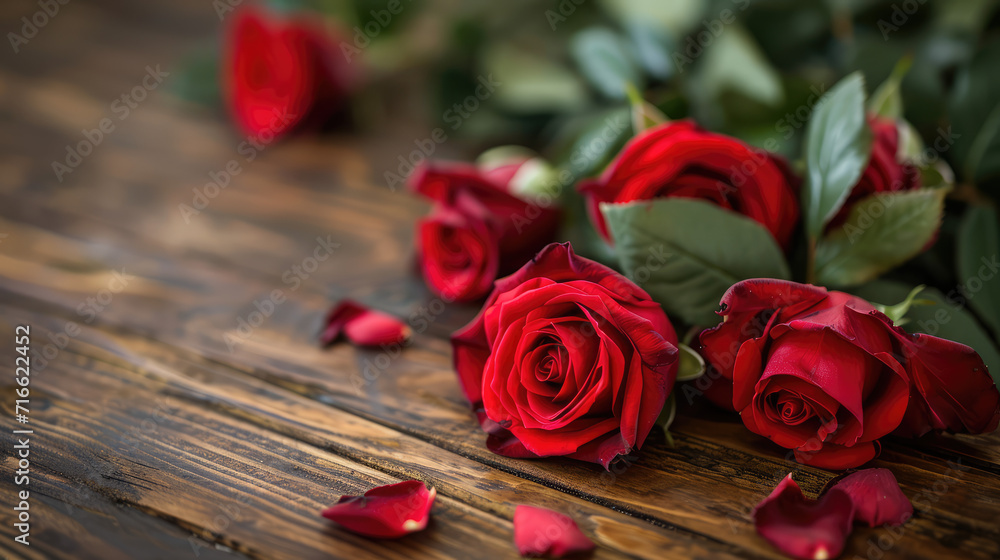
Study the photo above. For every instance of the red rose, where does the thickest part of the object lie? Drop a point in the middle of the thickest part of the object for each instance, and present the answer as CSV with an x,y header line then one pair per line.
x,y
826,374
885,172
280,75
680,159
567,357
478,229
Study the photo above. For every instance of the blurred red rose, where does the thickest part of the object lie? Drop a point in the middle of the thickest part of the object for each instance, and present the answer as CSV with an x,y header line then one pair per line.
x,y
279,75
886,172
680,159
826,374
567,358
479,228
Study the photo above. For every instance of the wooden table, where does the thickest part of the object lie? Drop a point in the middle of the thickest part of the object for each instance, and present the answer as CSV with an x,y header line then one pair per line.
x,y
161,430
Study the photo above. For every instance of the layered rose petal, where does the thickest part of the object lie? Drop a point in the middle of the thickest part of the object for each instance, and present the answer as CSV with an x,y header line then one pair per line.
x,y
876,495
951,387
459,247
362,326
825,374
803,528
385,512
567,358
543,532
747,308
680,159
478,229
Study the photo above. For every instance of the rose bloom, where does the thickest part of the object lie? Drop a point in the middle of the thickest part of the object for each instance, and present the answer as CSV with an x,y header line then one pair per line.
x,y
680,159
567,358
478,229
826,375
279,75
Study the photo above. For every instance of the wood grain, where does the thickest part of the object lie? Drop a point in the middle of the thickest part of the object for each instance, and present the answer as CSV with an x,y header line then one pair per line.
x,y
250,435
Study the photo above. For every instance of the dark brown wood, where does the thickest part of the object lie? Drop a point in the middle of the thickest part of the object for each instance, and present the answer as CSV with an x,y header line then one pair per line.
x,y
163,428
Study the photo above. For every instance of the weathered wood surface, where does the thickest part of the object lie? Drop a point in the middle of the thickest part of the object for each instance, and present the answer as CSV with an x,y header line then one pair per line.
x,y
162,432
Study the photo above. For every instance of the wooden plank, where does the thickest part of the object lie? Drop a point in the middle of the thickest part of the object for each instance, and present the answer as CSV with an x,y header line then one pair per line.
x,y
248,490
70,520
168,375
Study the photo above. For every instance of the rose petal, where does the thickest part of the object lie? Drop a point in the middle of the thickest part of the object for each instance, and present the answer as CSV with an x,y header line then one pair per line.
x,y
386,512
543,532
362,326
951,387
838,457
876,496
804,528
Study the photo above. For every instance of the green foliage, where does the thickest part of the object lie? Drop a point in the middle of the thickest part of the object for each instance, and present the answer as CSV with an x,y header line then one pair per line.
x,y
686,253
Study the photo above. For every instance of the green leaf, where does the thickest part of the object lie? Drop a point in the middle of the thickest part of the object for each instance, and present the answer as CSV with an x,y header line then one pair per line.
x,y
886,101
945,318
605,59
882,231
652,45
686,253
595,140
529,83
898,312
978,251
911,145
676,16
974,108
734,62
692,365
838,144
644,114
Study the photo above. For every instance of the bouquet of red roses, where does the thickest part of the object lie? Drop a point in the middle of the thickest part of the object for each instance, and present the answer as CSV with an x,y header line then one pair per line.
x,y
571,357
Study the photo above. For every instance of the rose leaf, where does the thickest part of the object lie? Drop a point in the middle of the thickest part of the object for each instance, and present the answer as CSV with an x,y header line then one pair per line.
x,y
882,231
838,145
978,250
686,253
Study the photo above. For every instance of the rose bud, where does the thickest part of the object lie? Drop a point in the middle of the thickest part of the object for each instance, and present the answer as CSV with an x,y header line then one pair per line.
x,y
886,171
680,159
804,528
567,358
543,532
825,374
280,75
479,227
876,496
385,512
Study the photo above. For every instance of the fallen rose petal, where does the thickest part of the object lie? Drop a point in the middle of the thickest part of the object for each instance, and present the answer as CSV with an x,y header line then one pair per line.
x,y
543,532
804,528
362,326
385,512
876,496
